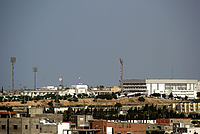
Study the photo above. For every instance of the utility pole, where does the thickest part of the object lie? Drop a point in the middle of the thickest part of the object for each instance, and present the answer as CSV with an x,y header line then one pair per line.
x,y
121,74
35,69
13,61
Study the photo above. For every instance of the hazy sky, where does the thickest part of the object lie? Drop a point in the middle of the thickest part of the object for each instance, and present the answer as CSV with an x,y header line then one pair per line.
x,y
155,38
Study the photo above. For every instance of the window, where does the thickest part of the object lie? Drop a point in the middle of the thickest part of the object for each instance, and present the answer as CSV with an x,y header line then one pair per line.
x,y
14,126
26,126
37,126
3,126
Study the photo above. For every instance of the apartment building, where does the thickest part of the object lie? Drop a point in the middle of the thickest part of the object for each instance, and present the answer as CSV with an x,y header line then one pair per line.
x,y
117,127
175,125
187,107
21,125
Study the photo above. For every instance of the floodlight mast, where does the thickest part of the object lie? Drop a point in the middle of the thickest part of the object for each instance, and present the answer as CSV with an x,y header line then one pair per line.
x,y
121,74
13,61
35,69
61,81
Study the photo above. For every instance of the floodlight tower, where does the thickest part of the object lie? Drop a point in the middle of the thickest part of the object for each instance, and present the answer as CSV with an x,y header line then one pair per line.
x,y
13,61
121,74
35,69
80,81
61,81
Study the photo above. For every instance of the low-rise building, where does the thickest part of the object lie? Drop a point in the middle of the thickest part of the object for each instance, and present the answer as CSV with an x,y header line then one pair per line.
x,y
134,87
175,125
82,121
21,125
187,107
117,127
193,130
49,127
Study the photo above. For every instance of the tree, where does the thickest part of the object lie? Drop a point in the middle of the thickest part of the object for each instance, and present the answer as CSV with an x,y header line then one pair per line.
x,y
80,96
57,100
50,104
164,96
67,114
51,108
198,94
75,99
156,95
141,99
171,96
118,105
125,94
118,93
186,97
114,96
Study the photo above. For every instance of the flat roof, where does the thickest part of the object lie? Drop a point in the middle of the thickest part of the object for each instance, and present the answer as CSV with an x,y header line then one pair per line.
x,y
171,81
134,81
85,130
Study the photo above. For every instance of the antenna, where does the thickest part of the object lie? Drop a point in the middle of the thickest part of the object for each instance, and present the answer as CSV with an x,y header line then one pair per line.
x,y
13,61
35,69
121,74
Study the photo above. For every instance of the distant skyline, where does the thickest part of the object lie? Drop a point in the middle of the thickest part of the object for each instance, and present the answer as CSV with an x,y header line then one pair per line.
x,y
71,39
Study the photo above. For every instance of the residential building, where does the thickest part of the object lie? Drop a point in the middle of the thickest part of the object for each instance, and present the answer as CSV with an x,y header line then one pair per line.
x,y
117,127
49,127
81,121
21,125
187,107
193,130
175,125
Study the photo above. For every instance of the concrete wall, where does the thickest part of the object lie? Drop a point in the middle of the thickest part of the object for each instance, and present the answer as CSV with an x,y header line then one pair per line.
x,y
35,110
3,121
51,129
132,128
20,125
51,117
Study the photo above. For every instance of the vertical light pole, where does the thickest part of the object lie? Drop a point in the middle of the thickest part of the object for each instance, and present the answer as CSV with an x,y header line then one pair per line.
x,y
121,75
13,61
61,81
35,69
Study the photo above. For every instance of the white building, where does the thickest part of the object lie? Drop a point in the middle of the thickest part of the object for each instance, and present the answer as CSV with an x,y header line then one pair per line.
x,y
80,89
178,87
134,87
73,90
62,127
